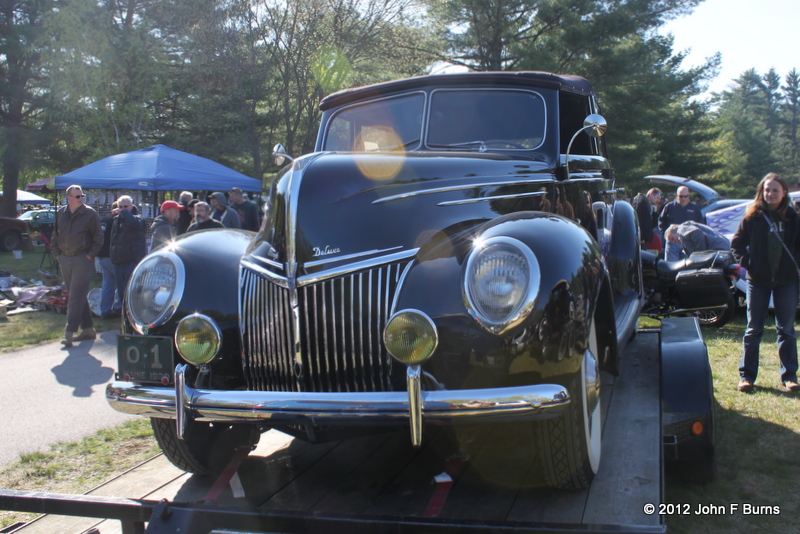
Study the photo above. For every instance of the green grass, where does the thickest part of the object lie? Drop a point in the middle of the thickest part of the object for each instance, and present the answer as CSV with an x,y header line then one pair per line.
x,y
77,467
33,328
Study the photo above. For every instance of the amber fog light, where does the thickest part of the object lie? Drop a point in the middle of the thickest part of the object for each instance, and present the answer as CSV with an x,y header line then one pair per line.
x,y
198,339
410,337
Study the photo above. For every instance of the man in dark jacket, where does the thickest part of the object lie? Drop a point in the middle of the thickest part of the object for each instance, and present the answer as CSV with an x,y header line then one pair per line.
x,y
110,304
677,212
694,237
222,212
164,227
202,218
185,218
76,241
249,216
128,245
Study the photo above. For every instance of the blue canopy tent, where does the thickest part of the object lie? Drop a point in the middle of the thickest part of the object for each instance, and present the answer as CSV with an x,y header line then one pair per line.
x,y
157,168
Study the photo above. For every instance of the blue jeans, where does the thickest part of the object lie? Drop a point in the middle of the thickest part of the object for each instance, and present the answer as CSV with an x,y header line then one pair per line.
x,y
109,298
123,272
784,299
673,252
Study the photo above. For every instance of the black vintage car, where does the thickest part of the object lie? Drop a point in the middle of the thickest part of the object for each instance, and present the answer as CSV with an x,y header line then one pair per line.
x,y
434,261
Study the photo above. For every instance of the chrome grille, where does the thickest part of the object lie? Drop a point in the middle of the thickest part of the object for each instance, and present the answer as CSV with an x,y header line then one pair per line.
x,y
340,323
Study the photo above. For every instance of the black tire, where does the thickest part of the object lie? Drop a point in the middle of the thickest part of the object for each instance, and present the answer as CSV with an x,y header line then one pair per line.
x,y
207,449
718,317
10,240
570,445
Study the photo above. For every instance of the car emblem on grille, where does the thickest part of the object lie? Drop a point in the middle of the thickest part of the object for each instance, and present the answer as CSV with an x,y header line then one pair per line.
x,y
325,251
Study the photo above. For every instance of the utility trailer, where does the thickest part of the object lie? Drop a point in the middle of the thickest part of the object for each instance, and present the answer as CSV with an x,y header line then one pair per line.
x,y
658,410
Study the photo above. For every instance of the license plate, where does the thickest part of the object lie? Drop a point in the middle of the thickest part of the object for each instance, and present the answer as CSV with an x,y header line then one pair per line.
x,y
145,359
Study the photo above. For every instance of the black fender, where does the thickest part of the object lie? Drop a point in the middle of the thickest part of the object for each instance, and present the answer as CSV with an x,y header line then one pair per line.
x,y
211,261
549,341
624,257
687,392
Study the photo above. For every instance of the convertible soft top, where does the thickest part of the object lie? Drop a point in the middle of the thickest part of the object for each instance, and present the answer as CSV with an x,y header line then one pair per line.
x,y
566,82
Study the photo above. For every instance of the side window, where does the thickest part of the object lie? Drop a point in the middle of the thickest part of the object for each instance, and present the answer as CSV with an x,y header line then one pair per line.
x,y
573,109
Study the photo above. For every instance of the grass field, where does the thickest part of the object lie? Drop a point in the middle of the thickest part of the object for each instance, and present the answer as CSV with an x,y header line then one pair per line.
x,y
33,328
758,438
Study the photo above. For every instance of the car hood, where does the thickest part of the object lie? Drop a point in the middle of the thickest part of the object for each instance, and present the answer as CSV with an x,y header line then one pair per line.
x,y
333,208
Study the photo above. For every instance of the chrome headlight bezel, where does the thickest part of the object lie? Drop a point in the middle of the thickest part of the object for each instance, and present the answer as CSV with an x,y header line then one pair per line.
x,y
527,297
135,287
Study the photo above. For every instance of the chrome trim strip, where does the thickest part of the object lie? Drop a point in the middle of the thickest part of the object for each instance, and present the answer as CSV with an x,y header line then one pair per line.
x,y
269,262
485,199
274,278
332,273
460,187
518,403
354,267
400,282
348,256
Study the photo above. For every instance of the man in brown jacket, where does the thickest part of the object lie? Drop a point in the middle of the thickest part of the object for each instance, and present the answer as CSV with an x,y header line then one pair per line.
x,y
76,241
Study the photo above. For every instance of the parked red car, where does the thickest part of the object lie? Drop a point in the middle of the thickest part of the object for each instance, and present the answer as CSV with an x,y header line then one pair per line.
x,y
12,233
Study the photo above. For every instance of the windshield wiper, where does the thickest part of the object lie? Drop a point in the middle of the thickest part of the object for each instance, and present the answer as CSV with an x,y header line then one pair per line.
x,y
481,145
402,147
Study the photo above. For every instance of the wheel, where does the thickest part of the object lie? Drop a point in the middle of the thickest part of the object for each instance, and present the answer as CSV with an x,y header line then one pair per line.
x,y
207,448
10,240
717,317
570,445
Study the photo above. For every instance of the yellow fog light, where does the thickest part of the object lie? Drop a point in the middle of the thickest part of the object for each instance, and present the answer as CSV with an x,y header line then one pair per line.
x,y
410,337
198,339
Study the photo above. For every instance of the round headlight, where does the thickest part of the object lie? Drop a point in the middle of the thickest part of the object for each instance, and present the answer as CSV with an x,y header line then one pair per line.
x,y
410,337
155,290
501,282
198,339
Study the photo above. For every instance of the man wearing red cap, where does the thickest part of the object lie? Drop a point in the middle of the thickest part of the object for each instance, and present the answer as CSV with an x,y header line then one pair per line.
x,y
163,228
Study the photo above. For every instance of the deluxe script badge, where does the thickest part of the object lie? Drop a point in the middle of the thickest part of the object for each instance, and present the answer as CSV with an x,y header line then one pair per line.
x,y
325,251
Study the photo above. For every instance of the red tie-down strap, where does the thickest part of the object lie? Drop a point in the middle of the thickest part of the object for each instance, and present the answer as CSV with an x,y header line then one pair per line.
x,y
444,482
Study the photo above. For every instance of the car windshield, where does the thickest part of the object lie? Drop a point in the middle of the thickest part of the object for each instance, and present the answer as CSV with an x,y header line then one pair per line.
x,y
459,119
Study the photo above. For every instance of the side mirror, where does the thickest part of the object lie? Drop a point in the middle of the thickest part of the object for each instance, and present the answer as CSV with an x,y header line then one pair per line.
x,y
595,126
279,154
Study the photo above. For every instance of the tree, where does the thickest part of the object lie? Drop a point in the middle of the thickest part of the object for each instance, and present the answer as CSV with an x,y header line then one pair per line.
x,y
756,123
648,99
108,73
22,89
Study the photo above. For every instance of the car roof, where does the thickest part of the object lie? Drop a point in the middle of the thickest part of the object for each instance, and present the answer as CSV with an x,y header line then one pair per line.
x,y
565,82
709,194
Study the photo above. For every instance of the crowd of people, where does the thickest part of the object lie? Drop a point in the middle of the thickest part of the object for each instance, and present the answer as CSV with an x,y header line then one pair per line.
x,y
766,244
119,241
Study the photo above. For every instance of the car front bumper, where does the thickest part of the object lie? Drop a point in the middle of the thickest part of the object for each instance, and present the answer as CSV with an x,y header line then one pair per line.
x,y
185,403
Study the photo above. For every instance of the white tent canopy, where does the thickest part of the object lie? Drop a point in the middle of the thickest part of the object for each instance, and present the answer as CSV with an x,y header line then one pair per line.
x,y
26,197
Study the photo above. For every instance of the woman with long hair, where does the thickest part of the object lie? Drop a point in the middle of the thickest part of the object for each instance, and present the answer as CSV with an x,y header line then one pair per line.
x,y
767,243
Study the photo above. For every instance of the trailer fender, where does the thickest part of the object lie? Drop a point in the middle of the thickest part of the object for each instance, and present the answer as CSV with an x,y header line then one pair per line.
x,y
687,394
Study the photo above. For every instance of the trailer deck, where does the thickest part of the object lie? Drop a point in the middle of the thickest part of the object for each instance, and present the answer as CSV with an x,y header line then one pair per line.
x,y
379,483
